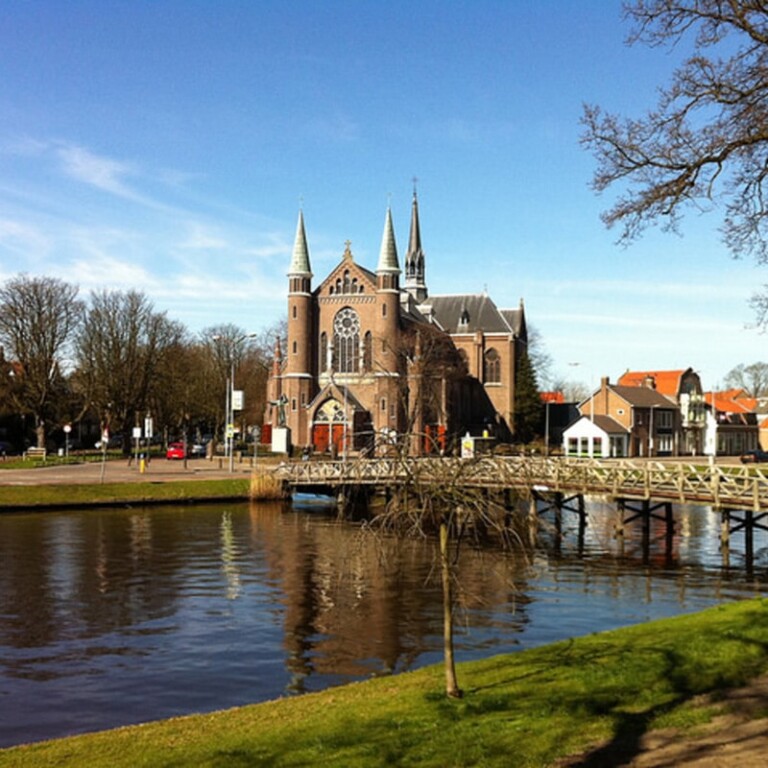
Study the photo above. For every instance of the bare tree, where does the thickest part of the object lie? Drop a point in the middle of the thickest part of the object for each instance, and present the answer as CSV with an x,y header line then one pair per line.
x,y
706,139
438,497
229,350
573,391
121,350
38,317
539,358
753,379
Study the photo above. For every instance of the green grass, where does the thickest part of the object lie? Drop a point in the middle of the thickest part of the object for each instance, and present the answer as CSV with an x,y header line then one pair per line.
x,y
53,460
524,709
35,496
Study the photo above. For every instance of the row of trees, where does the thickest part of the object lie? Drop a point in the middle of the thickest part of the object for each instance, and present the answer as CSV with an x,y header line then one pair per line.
x,y
114,360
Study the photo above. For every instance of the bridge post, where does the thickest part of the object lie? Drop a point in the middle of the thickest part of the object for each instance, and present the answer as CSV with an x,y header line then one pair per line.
x,y
749,530
618,528
725,535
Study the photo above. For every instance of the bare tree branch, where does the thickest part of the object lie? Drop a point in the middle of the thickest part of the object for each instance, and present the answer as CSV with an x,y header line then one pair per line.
x,y
705,145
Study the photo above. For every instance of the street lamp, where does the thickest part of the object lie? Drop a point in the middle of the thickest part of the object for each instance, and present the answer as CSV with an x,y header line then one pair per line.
x,y
229,404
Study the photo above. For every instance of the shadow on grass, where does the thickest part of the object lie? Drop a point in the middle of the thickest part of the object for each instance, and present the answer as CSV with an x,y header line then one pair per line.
x,y
686,682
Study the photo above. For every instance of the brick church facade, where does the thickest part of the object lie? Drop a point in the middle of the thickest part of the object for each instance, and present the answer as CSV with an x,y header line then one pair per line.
x,y
372,360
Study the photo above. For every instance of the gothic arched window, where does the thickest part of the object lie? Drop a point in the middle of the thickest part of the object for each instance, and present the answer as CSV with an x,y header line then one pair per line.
x,y
492,367
368,352
346,341
323,351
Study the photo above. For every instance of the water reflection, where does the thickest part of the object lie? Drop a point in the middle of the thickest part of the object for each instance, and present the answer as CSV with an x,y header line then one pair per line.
x,y
120,616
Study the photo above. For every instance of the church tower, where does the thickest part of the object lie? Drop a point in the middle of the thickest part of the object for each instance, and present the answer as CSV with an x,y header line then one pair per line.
x,y
387,331
414,259
297,371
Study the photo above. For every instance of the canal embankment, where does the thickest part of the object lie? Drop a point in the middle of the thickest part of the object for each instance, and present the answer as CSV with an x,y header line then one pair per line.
x,y
121,483
650,694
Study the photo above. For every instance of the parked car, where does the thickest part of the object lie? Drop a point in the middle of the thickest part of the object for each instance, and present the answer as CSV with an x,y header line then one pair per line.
x,y
197,450
754,457
175,451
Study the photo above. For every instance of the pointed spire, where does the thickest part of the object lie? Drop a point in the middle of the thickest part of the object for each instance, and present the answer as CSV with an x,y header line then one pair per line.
x,y
414,259
388,261
414,241
300,259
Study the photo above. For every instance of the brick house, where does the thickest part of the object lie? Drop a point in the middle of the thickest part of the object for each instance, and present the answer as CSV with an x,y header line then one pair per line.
x,y
368,360
684,388
643,422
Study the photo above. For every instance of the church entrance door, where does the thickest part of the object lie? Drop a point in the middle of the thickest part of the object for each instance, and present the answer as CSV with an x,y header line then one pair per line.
x,y
338,439
321,437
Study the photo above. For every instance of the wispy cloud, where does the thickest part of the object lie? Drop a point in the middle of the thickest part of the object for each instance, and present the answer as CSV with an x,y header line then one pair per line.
x,y
201,238
101,172
22,239
108,272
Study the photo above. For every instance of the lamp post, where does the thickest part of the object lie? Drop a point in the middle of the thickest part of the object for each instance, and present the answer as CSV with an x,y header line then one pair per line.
x,y
231,342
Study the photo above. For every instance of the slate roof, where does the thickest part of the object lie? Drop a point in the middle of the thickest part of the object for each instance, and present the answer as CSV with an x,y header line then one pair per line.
x,y
515,319
609,425
479,310
643,397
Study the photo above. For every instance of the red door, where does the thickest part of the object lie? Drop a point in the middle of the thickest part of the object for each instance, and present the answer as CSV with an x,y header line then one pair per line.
x,y
338,439
320,437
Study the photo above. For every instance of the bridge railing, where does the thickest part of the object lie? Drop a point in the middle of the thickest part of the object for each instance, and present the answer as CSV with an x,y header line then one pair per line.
x,y
734,486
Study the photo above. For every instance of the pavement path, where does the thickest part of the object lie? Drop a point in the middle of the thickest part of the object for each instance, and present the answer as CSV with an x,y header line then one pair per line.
x,y
122,471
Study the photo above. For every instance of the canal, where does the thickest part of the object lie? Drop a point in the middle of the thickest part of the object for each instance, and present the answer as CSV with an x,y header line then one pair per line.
x,y
112,617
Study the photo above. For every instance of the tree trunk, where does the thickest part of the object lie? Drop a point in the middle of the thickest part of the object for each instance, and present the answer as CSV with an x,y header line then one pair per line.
x,y
451,684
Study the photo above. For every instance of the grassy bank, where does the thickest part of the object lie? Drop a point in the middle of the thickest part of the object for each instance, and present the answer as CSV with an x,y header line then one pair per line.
x,y
14,497
524,709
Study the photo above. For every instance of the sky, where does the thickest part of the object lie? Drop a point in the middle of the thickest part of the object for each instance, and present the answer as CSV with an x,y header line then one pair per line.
x,y
168,146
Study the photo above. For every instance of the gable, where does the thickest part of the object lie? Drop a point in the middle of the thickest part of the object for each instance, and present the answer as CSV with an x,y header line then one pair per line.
x,y
347,278
596,426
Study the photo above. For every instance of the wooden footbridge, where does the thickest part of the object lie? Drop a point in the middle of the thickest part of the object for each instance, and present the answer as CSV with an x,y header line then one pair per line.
x,y
642,489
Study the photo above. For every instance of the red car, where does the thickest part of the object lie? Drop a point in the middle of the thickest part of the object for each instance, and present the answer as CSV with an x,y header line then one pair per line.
x,y
175,451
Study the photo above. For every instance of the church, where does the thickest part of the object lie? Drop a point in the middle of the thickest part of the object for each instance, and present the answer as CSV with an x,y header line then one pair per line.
x,y
372,361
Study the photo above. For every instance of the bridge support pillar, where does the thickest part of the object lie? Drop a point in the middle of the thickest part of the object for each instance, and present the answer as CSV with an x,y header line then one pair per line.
x,y
731,522
645,512
556,502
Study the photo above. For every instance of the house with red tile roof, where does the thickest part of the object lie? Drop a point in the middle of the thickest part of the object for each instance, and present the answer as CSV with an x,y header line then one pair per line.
x,y
682,386
735,421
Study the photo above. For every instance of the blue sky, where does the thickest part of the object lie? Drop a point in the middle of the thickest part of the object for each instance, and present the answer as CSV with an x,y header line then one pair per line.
x,y
168,146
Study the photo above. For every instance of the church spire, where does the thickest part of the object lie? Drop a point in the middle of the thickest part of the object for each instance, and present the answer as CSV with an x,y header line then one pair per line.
x,y
300,259
388,261
414,258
